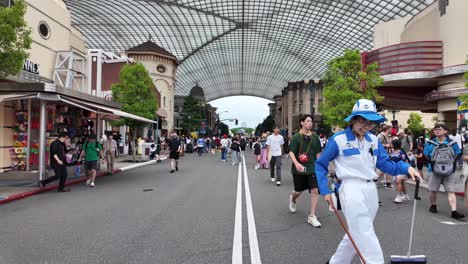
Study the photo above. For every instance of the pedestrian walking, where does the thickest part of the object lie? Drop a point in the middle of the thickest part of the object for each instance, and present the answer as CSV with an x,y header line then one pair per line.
x,y
200,145
442,153
257,146
175,147
356,154
224,147
58,163
397,155
92,154
235,151
110,147
274,147
304,149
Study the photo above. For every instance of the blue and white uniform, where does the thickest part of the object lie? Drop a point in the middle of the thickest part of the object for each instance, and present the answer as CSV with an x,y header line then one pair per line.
x,y
356,162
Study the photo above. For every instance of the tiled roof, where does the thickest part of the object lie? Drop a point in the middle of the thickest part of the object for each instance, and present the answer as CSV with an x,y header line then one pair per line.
x,y
150,46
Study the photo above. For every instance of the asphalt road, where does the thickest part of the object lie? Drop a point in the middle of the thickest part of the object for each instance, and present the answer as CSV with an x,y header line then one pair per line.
x,y
147,215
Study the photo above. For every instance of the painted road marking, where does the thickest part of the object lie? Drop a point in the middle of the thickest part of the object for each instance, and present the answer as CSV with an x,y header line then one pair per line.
x,y
237,241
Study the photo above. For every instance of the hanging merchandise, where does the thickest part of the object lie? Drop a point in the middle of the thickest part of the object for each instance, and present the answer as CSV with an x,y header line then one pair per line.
x,y
18,153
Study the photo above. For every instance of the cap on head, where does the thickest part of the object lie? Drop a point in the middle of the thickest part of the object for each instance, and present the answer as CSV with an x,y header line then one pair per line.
x,y
366,109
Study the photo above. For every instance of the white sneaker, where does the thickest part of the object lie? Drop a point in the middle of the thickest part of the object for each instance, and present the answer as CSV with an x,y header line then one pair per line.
x,y
312,219
278,183
292,206
88,182
398,199
272,179
406,197
91,184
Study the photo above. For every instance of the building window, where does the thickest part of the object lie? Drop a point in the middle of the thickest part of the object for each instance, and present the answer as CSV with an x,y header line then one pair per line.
x,y
44,30
164,101
443,6
161,69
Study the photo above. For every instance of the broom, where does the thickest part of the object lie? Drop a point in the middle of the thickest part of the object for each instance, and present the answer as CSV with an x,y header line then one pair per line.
x,y
408,259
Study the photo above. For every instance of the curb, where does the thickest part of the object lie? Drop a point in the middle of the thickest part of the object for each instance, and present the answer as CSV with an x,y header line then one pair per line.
x,y
23,195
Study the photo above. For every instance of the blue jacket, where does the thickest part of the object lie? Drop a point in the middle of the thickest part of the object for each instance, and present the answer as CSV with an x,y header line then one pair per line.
x,y
355,159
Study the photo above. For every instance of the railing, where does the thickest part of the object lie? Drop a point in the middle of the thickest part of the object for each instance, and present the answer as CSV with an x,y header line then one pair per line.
x,y
407,57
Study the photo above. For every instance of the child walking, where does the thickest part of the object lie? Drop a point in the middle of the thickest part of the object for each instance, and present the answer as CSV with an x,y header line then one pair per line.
x,y
257,147
396,156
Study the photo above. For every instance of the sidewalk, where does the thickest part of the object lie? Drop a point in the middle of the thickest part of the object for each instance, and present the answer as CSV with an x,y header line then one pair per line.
x,y
11,190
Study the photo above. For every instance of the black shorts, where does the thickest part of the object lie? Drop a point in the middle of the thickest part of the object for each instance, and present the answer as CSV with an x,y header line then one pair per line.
x,y
304,182
174,155
90,165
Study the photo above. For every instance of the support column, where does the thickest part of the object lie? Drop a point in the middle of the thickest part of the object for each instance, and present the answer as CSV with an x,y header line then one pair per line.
x,y
306,102
290,112
29,136
298,99
42,139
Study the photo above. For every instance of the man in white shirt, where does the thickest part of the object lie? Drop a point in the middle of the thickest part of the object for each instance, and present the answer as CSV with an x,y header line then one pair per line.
x,y
224,146
274,147
457,138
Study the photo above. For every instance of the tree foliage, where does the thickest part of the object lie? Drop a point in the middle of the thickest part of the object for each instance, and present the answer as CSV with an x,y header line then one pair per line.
x,y
247,130
345,82
464,98
193,115
266,126
15,38
224,128
136,94
415,124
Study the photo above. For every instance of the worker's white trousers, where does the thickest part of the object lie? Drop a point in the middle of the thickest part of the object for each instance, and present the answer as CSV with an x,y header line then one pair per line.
x,y
359,202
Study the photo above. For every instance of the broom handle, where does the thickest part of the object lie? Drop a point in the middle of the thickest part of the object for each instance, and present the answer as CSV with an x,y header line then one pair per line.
x,y
347,232
416,198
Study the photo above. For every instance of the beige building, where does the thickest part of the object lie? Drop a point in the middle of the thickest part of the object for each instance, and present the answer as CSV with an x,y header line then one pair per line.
x,y
51,94
422,59
297,98
161,66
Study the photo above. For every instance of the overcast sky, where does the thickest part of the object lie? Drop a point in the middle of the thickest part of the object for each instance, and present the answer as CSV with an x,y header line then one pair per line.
x,y
248,109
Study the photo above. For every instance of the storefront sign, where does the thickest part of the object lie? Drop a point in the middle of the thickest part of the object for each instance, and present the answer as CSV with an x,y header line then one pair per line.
x,y
462,108
31,67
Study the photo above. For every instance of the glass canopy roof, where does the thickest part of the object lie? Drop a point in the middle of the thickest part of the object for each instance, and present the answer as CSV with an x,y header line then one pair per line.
x,y
243,47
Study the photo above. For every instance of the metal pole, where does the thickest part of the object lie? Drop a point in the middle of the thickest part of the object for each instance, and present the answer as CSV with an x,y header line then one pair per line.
x,y
28,145
42,140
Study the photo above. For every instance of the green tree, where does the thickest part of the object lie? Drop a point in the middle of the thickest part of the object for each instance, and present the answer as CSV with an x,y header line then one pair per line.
x,y
247,130
464,98
193,115
15,38
345,82
415,124
266,126
137,95
223,128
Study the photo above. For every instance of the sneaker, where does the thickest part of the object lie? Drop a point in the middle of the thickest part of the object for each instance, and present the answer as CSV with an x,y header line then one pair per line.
x,y
278,183
398,199
312,219
91,184
380,203
433,209
272,179
256,167
406,197
233,164
292,205
457,215
172,171
389,186
88,182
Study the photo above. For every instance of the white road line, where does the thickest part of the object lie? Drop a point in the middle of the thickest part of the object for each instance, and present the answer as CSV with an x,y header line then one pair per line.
x,y
237,241
253,241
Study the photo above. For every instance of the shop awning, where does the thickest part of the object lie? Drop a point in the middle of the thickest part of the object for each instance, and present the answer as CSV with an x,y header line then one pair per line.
x,y
7,97
106,110
161,113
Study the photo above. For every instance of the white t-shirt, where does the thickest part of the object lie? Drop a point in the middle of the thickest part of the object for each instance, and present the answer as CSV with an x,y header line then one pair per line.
x,y
224,142
457,138
275,143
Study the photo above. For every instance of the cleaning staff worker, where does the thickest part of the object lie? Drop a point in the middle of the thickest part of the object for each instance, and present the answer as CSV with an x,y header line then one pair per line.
x,y
357,154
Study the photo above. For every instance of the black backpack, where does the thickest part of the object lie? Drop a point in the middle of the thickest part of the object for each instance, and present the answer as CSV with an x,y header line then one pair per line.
x,y
443,158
